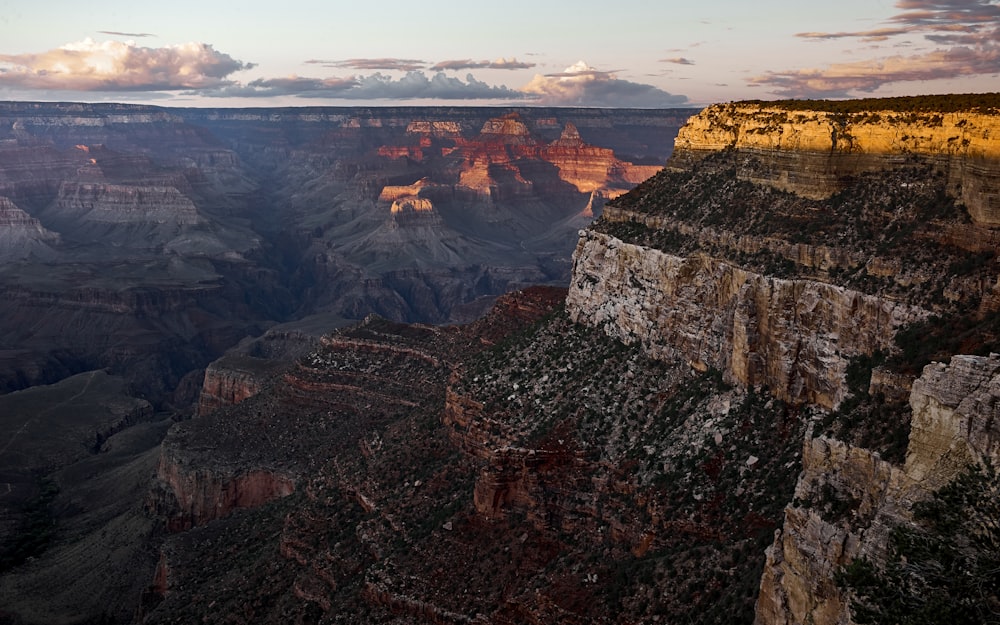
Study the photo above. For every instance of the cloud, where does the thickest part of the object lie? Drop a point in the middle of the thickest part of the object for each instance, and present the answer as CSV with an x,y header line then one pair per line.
x,y
582,85
967,30
838,80
414,85
390,64
409,65
120,66
878,34
679,60
500,63
121,34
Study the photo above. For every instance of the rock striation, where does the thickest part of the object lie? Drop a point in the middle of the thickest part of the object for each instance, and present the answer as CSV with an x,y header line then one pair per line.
x,y
848,499
813,152
281,214
793,336
22,236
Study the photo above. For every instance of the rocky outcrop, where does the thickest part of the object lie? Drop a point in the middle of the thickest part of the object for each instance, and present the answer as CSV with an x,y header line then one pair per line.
x,y
954,419
813,153
793,336
22,236
188,496
508,143
848,500
93,202
590,168
232,379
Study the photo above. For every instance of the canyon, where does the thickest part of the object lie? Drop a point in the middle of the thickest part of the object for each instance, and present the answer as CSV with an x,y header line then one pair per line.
x,y
180,253
767,362
150,240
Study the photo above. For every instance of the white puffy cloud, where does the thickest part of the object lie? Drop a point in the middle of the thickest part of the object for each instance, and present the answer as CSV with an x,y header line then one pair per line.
x,y
120,66
582,85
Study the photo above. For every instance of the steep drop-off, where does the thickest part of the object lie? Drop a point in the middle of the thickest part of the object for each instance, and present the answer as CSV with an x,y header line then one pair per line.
x,y
730,416
798,250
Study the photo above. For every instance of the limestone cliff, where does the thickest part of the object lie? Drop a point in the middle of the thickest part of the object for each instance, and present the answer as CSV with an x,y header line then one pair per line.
x,y
794,248
848,499
813,152
793,336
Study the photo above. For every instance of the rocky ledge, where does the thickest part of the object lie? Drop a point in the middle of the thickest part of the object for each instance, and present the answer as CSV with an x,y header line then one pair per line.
x,y
813,152
848,501
792,336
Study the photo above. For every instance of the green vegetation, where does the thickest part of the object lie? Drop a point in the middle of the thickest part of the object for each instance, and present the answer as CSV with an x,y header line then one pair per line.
x,y
874,422
704,469
987,103
940,337
943,569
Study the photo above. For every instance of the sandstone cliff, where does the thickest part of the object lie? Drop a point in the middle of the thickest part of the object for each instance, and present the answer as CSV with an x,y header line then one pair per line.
x,y
813,152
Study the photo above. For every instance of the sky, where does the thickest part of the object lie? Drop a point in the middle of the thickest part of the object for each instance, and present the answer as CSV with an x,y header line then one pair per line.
x,y
619,53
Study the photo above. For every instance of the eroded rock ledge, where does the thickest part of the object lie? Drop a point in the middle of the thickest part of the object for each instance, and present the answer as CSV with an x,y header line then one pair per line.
x,y
848,499
793,336
813,153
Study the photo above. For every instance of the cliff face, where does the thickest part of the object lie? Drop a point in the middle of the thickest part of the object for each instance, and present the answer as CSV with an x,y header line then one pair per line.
x,y
848,500
793,336
792,250
203,496
811,153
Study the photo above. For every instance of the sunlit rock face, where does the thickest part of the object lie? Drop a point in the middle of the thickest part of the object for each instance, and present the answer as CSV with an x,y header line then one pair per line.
x,y
789,249
812,153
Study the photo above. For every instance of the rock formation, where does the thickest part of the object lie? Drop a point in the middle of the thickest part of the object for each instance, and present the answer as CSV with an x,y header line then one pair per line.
x,y
763,308
243,218
793,336
22,236
848,500
812,152
699,265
